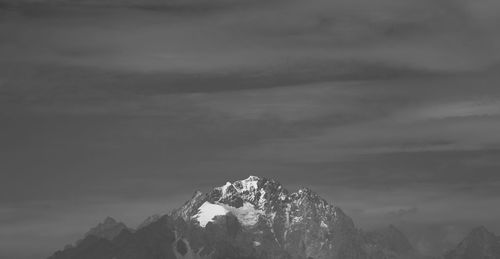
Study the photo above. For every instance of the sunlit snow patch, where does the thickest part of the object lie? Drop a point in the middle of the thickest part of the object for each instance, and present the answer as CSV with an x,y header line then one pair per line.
x,y
247,215
208,211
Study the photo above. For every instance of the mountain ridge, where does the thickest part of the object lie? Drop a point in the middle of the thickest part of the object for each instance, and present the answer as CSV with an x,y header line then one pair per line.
x,y
478,244
251,218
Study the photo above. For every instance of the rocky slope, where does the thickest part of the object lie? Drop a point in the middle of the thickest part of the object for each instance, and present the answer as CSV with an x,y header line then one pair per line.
x,y
251,218
478,244
108,229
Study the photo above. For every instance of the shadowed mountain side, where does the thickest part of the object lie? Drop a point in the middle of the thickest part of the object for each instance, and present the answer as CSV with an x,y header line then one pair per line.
x,y
478,244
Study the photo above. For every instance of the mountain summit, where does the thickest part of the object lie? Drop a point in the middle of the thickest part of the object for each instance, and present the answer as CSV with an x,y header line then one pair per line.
x,y
301,222
478,244
108,229
251,218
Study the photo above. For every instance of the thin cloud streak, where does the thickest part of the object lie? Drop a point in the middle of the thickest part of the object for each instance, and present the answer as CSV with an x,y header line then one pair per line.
x,y
311,32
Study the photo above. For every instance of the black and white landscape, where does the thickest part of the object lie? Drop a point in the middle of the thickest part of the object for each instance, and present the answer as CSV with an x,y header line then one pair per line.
x,y
372,125
259,218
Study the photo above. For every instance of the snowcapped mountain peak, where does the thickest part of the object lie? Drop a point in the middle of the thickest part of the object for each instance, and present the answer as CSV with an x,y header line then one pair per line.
x,y
258,199
249,184
245,199
251,218
225,186
252,178
272,214
258,191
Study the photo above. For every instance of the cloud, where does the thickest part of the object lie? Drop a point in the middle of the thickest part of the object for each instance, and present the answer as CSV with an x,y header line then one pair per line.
x,y
461,109
116,103
441,36
424,124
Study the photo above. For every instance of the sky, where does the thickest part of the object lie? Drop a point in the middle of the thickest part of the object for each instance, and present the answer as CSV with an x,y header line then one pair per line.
x,y
389,109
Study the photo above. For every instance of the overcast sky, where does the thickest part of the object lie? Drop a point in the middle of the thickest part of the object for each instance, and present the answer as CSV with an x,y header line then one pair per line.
x,y
389,109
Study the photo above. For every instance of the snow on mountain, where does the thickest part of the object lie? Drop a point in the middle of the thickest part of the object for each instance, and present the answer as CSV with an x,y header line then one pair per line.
x,y
208,211
246,214
300,221
251,218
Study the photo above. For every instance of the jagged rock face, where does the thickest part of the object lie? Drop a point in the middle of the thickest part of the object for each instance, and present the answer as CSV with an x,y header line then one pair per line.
x,y
302,224
478,244
251,218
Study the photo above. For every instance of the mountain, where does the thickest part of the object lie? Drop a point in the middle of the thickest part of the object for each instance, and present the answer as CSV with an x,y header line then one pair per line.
x,y
250,218
390,240
108,229
149,220
478,244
